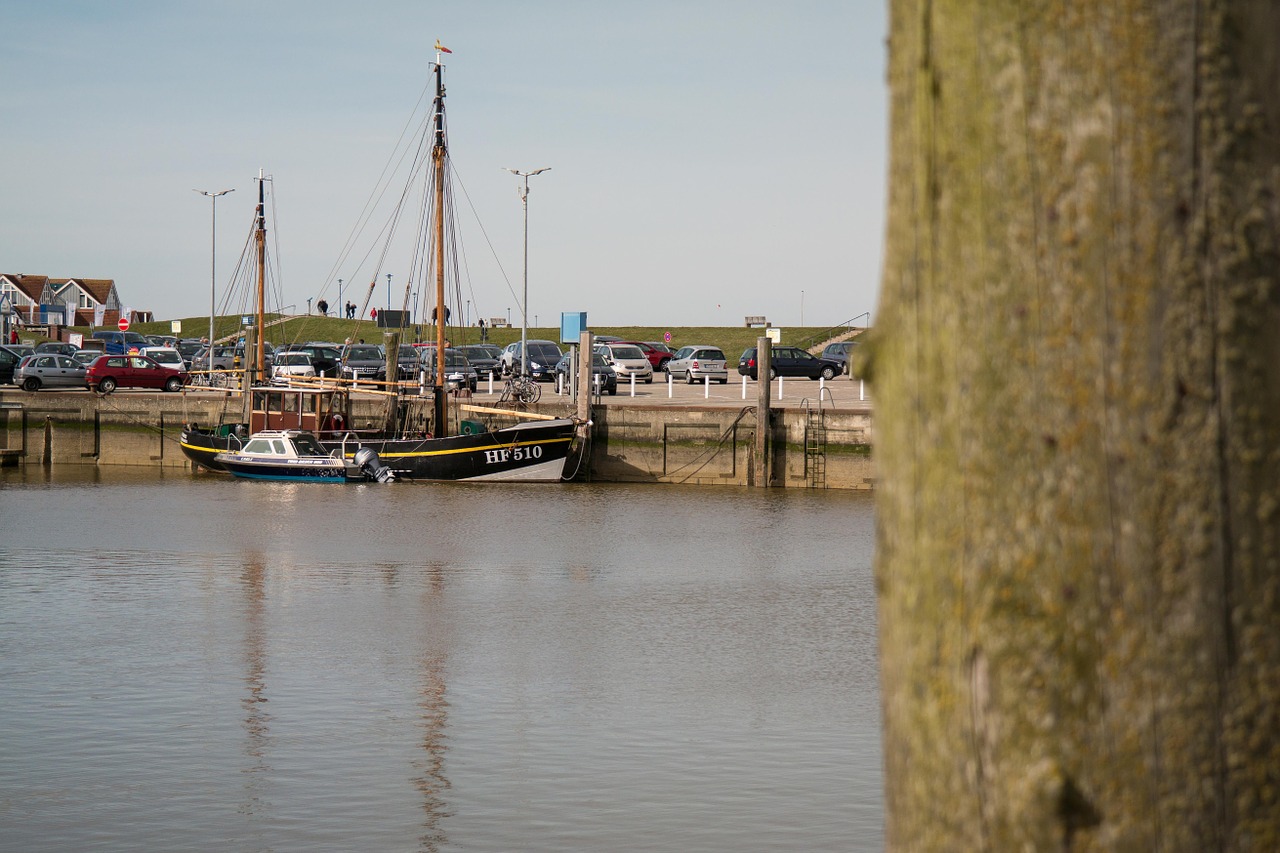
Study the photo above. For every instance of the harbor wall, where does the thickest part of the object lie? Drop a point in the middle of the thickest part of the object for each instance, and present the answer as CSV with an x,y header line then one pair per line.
x,y
629,443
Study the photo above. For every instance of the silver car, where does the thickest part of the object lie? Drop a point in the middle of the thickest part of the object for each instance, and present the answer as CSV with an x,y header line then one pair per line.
x,y
49,370
698,362
627,360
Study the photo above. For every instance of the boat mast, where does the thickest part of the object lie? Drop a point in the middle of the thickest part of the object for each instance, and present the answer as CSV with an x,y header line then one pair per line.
x,y
261,236
437,159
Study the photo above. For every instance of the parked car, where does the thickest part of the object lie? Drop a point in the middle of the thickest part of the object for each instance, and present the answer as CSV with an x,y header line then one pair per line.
x,y
109,372
9,358
119,342
326,358
289,365
458,372
697,362
543,356
483,357
86,357
167,356
627,360
162,341
58,347
48,370
188,347
658,356
364,361
840,353
407,361
224,358
601,372
789,361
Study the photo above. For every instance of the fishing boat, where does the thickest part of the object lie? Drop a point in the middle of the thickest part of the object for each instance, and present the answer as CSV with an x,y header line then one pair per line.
x,y
415,435
297,456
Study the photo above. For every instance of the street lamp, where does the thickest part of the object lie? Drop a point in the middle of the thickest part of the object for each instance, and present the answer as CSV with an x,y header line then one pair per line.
x,y
344,305
388,291
213,266
524,308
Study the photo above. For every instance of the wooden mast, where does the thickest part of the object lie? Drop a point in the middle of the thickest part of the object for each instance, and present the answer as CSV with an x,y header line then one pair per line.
x,y
261,237
437,160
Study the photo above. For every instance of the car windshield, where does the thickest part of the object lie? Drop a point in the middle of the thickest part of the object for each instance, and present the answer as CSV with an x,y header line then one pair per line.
x,y
293,358
544,352
364,353
627,352
711,354
407,352
597,360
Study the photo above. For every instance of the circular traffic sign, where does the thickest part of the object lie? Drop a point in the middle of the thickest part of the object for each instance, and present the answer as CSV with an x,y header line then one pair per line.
x,y
666,336
123,324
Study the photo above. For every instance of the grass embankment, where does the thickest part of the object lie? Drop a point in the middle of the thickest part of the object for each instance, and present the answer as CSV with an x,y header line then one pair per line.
x,y
733,340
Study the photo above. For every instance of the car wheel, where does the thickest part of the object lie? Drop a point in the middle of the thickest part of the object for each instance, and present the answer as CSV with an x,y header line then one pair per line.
x,y
613,392
173,384
773,373
662,365
648,380
106,386
31,384
828,373
688,377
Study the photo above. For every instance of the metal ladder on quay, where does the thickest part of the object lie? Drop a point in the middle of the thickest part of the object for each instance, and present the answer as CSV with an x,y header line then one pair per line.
x,y
815,442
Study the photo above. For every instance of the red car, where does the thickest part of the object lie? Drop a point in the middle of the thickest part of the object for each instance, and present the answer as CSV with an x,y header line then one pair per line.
x,y
657,357
109,372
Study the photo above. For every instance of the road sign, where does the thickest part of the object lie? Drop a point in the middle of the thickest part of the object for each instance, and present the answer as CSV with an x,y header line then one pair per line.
x,y
666,336
123,324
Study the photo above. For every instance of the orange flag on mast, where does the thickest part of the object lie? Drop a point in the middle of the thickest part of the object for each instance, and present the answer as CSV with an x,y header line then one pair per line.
x,y
442,48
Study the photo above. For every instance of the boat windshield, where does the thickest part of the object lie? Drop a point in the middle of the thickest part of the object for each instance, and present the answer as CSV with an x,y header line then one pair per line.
x,y
307,445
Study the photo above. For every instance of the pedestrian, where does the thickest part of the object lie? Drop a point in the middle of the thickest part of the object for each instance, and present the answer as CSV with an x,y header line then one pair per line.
x,y
324,308
13,336
373,314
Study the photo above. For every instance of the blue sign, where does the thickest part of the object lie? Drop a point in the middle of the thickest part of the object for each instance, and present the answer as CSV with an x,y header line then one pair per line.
x,y
572,325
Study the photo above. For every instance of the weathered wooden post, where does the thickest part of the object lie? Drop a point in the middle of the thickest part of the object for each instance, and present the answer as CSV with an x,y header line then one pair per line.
x,y
764,362
1077,383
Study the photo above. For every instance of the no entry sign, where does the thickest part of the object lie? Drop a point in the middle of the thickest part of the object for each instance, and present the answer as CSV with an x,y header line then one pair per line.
x,y
123,324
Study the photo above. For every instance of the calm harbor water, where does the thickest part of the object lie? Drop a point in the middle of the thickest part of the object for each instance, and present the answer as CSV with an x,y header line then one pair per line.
x,y
194,663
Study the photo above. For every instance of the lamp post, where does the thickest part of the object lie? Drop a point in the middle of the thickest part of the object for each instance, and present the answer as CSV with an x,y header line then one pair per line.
x,y
213,265
388,291
344,305
524,307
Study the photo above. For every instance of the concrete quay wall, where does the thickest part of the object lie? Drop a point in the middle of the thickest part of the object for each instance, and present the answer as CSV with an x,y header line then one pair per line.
x,y
684,443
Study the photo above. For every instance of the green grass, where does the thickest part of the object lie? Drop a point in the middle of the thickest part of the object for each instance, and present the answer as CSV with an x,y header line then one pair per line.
x,y
733,340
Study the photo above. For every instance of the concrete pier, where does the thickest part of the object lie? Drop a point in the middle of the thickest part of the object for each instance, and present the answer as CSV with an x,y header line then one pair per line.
x,y
681,434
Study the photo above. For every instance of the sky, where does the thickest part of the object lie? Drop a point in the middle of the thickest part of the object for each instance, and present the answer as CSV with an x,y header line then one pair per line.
x,y
709,160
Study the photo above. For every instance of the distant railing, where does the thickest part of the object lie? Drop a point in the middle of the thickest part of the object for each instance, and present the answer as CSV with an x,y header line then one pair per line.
x,y
833,331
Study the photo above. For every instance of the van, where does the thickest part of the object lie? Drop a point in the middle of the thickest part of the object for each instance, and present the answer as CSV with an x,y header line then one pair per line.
x,y
119,343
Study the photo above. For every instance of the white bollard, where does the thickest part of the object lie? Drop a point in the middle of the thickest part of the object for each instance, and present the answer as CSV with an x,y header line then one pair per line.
x,y
670,385
822,383
633,385
559,379
779,387
744,386
490,381
706,387
861,390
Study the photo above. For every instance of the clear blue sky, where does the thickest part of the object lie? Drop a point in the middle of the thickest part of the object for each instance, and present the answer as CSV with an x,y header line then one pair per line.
x,y
709,159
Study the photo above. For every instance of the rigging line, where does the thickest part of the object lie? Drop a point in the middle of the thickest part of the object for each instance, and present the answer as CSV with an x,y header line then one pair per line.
x,y
471,205
366,212
276,259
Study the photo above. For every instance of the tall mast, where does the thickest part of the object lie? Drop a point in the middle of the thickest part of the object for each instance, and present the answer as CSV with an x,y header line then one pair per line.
x,y
437,159
261,236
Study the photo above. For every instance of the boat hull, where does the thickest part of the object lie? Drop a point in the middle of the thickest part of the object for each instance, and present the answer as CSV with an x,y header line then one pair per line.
x,y
532,452
293,470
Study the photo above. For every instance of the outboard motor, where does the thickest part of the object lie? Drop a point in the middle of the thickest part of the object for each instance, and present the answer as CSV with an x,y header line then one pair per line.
x,y
367,460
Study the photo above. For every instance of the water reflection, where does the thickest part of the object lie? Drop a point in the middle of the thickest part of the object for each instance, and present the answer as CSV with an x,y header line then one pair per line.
x,y
257,718
322,668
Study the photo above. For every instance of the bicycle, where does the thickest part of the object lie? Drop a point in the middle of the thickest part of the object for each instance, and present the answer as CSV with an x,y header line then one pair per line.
x,y
520,388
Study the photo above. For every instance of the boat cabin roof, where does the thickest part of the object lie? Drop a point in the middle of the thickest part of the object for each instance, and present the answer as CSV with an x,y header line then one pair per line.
x,y
286,443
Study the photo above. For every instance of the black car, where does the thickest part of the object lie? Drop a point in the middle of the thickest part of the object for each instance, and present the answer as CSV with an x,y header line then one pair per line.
x,y
9,359
483,357
543,356
601,372
790,361
840,353
326,359
57,347
364,361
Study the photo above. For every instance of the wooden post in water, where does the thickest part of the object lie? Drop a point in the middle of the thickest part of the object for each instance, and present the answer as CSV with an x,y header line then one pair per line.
x,y
764,360
391,343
